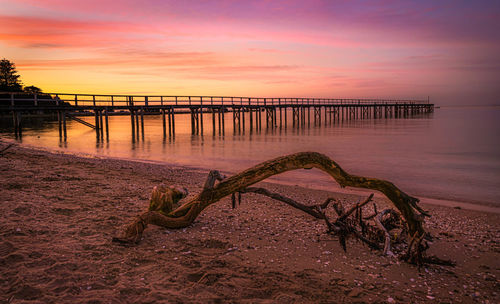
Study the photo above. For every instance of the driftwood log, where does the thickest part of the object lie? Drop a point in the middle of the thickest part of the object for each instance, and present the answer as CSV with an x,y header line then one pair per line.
x,y
164,209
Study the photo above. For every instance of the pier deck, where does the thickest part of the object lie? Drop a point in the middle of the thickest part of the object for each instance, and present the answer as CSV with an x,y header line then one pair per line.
x,y
275,111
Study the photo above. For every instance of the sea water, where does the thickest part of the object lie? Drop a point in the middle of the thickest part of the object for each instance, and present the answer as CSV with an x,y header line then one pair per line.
x,y
453,153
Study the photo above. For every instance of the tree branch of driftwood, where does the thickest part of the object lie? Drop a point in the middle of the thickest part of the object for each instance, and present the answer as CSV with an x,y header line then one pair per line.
x,y
165,209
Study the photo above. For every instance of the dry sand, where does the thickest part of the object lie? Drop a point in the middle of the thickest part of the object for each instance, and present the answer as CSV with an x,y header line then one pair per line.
x,y
59,213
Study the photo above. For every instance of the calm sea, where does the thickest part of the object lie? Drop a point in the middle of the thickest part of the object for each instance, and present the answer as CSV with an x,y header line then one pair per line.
x,y
452,154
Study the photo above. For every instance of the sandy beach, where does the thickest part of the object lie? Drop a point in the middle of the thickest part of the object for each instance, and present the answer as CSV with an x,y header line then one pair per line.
x,y
59,213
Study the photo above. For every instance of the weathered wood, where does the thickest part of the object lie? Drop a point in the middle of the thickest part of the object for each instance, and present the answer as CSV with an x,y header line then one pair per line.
x,y
184,215
164,123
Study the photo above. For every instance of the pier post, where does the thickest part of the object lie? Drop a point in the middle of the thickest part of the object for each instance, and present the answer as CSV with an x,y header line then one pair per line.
x,y
19,121
242,116
213,121
286,120
64,124
164,123
197,120
326,115
259,113
281,118
97,127
169,117
275,116
59,123
142,122
234,120
136,114
268,117
302,116
308,116
14,122
220,120
201,120
101,124
250,112
191,110
172,111
106,120
132,122
223,122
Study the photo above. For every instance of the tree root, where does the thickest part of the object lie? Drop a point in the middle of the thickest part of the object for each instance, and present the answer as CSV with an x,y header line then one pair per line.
x,y
164,209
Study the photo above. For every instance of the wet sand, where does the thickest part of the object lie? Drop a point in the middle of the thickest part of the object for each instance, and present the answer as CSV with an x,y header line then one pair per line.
x,y
59,213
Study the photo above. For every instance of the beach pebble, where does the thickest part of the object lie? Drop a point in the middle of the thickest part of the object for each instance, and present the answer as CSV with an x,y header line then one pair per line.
x,y
390,300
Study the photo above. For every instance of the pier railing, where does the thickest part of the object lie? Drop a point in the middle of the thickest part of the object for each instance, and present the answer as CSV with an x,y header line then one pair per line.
x,y
100,100
68,106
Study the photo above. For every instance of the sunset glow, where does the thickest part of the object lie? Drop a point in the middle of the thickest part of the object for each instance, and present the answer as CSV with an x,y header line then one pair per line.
x,y
446,49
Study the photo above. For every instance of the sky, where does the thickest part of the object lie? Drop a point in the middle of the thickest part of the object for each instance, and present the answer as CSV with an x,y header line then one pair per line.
x,y
448,50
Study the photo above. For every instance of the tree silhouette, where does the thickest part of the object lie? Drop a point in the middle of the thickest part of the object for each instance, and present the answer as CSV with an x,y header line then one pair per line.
x,y
9,80
32,90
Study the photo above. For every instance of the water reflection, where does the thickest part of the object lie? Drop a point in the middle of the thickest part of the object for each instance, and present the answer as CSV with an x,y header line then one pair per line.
x,y
419,153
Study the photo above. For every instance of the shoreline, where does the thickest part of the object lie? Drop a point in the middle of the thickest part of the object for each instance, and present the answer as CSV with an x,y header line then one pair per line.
x,y
426,200
60,212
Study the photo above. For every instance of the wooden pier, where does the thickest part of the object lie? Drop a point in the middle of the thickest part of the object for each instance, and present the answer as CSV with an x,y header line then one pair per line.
x,y
248,113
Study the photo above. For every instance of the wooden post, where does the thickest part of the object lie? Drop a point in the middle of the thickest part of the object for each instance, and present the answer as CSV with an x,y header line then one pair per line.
x,y
239,119
107,122
96,123
164,124
275,116
172,110
281,118
19,124
137,127
286,121
16,120
234,120
197,120
326,115
242,116
260,118
201,120
101,124
192,121
267,117
304,116
220,120
250,112
64,124
223,122
59,123
169,114
213,121
308,116
14,123
132,122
